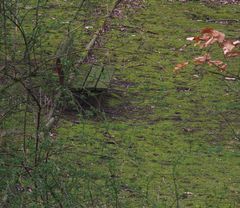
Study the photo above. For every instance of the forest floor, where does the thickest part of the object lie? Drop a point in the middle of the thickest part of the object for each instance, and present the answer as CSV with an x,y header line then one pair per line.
x,y
159,139
166,139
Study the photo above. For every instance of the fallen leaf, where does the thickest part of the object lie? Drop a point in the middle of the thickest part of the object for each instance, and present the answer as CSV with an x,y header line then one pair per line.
x,y
188,129
219,36
227,46
223,67
219,64
210,36
89,27
197,39
179,66
206,30
230,78
233,54
183,89
210,41
236,42
202,59
196,76
186,194
216,63
190,38
29,189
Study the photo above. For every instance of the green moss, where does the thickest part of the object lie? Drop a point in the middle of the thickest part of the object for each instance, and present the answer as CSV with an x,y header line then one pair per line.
x,y
183,121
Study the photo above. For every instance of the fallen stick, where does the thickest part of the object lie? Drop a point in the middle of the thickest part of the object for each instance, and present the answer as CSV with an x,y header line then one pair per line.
x,y
99,32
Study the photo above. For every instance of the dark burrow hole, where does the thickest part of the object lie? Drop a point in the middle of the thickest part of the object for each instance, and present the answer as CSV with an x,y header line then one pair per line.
x,y
95,100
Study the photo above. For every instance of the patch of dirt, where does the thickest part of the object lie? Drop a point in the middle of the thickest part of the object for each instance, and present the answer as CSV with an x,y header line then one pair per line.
x,y
176,118
122,83
101,103
222,1
134,3
183,89
216,1
128,111
223,21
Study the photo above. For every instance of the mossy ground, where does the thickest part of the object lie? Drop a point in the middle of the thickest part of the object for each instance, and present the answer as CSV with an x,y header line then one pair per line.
x,y
181,121
168,134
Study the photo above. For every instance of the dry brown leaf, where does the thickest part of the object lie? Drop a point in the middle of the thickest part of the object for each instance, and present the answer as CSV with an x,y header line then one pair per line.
x,y
218,35
210,41
179,66
216,62
206,30
210,36
236,42
233,54
227,46
219,64
202,59
209,32
223,67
